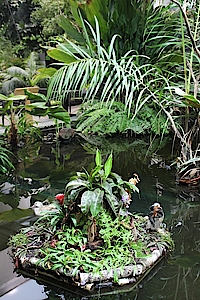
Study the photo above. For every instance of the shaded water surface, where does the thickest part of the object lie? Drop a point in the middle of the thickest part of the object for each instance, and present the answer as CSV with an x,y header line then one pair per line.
x,y
43,173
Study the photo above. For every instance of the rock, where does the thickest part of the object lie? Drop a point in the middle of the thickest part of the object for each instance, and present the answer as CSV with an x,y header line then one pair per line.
x,y
66,134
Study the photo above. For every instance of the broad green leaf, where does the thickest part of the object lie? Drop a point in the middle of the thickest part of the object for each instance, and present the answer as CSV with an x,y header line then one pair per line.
x,y
13,98
41,105
96,202
15,214
74,184
35,97
70,30
60,55
107,187
47,71
96,8
3,97
108,166
86,201
62,116
95,171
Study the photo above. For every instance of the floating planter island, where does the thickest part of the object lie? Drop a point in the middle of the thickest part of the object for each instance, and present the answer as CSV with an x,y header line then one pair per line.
x,y
88,238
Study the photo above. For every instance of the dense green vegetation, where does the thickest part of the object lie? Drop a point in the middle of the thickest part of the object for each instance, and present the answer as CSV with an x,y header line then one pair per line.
x,y
90,229
139,74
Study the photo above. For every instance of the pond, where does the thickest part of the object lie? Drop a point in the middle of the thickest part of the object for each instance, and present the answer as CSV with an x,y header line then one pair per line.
x,y
43,173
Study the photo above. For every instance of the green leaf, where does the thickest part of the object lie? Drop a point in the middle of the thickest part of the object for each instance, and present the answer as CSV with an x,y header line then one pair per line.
x,y
98,158
107,187
15,214
61,56
74,184
95,171
97,202
62,115
86,200
41,105
92,201
108,166
118,178
192,101
3,97
35,97
113,203
132,186
70,30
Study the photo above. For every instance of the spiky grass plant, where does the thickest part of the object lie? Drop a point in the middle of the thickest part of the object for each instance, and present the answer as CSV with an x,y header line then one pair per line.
x,y
5,162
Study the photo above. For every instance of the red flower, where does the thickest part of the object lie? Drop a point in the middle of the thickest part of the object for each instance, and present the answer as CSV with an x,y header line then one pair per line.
x,y
60,198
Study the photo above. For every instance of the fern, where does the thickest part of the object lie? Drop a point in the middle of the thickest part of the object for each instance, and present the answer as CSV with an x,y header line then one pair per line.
x,y
158,121
101,120
139,126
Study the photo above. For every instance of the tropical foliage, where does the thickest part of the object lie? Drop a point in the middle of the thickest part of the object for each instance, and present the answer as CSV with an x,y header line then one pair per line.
x,y
5,162
105,77
96,118
142,83
14,76
91,229
99,187
139,26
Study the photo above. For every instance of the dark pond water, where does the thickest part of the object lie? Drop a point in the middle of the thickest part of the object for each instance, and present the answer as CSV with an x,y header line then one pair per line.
x,y
44,171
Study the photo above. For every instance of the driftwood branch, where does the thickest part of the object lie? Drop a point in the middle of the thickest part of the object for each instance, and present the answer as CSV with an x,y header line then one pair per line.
x,y
194,45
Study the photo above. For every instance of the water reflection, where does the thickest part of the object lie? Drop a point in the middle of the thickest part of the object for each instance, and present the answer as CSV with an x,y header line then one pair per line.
x,y
41,177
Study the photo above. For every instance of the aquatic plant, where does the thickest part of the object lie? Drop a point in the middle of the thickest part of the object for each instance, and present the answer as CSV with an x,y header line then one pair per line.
x,y
91,232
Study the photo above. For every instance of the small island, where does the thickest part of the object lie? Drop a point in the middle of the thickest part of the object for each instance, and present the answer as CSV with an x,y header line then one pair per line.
x,y
88,237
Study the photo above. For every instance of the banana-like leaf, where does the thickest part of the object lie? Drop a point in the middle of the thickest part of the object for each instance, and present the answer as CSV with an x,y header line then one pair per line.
x,y
60,115
41,105
70,30
61,56
43,74
3,97
90,9
35,97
